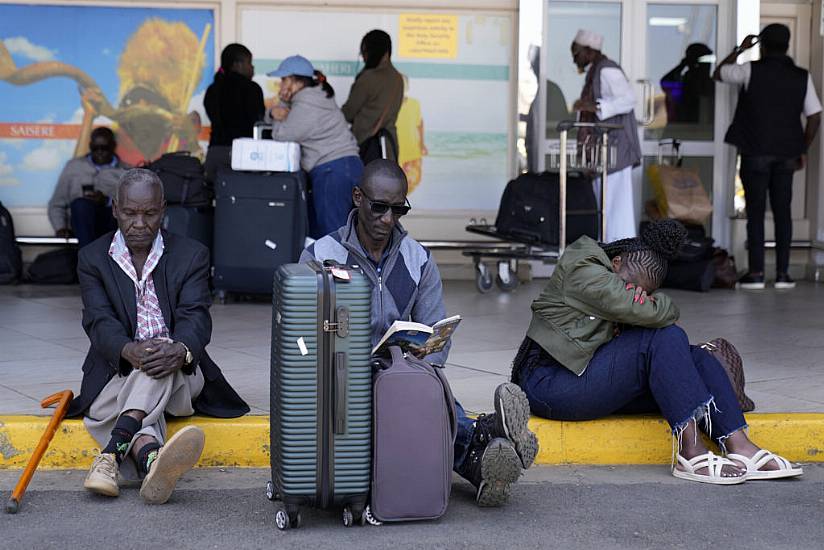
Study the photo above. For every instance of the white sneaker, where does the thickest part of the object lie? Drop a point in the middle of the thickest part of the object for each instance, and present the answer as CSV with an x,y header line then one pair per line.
x,y
174,459
102,476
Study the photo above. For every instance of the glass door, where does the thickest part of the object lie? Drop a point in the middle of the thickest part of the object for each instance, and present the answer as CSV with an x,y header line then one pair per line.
x,y
668,50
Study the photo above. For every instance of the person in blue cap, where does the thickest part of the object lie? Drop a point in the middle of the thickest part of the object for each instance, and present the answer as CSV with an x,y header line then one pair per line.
x,y
309,116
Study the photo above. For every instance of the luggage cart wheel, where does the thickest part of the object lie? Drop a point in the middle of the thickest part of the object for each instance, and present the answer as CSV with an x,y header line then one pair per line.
x,y
348,518
507,278
483,277
270,491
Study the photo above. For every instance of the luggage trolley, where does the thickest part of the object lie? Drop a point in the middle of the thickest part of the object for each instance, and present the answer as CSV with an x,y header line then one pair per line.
x,y
595,155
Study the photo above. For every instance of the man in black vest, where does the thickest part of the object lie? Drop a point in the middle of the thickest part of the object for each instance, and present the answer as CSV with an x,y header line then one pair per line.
x,y
767,131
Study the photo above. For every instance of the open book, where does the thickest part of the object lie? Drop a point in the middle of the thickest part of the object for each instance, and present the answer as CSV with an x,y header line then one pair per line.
x,y
416,338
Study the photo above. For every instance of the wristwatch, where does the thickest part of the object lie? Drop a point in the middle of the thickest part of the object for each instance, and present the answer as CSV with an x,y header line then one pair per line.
x,y
189,357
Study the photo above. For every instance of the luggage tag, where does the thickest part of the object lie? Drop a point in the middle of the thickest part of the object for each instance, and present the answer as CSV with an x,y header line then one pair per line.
x,y
341,274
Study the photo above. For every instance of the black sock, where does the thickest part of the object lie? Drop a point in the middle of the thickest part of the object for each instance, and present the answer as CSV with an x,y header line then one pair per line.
x,y
143,456
122,434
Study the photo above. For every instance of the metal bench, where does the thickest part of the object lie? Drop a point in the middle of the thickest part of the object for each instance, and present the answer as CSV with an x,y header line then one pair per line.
x,y
46,241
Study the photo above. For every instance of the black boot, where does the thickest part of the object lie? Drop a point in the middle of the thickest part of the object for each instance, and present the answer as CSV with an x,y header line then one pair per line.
x,y
511,421
491,467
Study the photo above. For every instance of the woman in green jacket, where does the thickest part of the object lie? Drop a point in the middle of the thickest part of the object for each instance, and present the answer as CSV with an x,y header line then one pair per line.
x,y
600,342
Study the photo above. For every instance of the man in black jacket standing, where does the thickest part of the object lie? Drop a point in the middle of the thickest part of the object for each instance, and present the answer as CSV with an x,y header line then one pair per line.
x,y
767,131
146,312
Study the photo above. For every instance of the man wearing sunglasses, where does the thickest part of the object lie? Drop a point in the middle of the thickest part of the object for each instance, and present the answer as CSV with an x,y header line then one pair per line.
x,y
490,452
81,202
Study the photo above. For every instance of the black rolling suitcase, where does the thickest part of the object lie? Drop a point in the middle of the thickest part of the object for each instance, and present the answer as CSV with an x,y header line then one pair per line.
x,y
260,224
196,222
321,391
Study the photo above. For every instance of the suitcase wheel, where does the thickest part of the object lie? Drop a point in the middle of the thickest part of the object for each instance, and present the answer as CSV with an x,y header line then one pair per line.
x,y
286,521
368,518
270,491
354,514
348,518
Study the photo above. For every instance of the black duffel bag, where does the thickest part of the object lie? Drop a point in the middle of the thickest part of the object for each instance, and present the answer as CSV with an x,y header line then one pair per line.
x,y
694,267
529,209
55,267
184,180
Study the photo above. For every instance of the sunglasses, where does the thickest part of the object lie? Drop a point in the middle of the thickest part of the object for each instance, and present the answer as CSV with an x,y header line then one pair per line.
x,y
380,208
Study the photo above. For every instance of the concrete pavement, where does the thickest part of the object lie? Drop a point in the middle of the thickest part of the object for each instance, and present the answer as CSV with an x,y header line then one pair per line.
x,y
552,507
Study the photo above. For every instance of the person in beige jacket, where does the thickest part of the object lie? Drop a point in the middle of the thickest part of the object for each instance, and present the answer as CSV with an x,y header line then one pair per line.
x,y
375,98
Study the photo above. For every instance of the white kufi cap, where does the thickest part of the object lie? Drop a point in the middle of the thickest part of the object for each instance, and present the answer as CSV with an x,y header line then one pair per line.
x,y
589,39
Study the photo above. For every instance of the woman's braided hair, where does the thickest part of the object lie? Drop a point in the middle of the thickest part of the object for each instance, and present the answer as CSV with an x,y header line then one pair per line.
x,y
650,253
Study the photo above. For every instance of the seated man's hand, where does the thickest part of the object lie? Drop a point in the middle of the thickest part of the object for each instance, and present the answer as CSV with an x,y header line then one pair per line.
x,y
162,358
64,233
133,353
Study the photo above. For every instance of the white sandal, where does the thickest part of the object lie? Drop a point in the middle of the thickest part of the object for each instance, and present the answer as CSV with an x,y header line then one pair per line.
x,y
760,459
713,463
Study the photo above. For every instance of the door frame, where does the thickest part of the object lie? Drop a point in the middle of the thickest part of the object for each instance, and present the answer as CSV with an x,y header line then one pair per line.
x,y
633,61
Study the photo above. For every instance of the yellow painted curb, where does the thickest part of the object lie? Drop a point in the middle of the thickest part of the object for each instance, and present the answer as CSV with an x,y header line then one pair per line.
x,y
239,442
244,442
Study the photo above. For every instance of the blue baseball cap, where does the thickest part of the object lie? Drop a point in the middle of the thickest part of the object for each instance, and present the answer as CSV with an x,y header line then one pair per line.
x,y
294,65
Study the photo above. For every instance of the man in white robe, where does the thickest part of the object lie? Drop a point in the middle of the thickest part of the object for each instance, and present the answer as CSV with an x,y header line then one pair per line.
x,y
608,97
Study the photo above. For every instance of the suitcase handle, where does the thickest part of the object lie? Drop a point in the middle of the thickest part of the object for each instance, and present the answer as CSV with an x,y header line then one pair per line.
x,y
339,407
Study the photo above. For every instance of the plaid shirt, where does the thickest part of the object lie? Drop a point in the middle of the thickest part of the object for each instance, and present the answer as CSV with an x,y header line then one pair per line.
x,y
150,323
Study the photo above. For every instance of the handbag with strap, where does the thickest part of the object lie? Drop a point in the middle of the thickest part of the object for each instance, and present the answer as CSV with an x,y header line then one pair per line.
x,y
730,359
376,146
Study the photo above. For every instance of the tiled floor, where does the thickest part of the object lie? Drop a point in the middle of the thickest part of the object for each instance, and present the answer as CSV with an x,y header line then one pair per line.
x,y
780,335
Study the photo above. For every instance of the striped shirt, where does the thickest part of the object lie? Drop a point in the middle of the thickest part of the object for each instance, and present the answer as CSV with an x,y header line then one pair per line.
x,y
150,322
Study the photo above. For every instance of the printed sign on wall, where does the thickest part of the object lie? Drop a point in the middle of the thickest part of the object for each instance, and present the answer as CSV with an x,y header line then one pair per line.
x,y
453,128
428,36
143,72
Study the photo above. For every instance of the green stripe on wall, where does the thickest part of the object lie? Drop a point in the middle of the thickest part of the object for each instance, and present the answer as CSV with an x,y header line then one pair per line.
x,y
438,71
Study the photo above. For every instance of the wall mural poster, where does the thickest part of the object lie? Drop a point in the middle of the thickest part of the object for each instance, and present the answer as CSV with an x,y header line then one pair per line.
x,y
454,124
67,69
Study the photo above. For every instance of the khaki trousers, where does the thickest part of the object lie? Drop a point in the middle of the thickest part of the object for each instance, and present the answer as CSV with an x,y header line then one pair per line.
x,y
156,397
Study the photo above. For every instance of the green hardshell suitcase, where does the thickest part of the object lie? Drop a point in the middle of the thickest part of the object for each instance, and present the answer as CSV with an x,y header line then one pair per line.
x,y
321,391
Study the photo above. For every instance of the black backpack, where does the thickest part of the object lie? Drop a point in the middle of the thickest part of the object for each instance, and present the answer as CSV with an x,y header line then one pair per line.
x,y
529,209
55,267
184,180
11,262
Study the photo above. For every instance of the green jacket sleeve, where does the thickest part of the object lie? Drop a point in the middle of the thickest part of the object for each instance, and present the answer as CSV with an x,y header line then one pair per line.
x,y
595,290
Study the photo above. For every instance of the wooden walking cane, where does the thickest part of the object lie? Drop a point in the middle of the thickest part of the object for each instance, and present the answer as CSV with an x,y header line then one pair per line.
x,y
63,399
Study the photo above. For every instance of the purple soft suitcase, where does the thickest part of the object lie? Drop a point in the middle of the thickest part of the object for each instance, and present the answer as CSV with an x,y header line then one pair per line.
x,y
414,437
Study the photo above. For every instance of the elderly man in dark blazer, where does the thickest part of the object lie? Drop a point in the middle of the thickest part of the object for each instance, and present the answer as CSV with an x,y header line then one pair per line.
x,y
146,311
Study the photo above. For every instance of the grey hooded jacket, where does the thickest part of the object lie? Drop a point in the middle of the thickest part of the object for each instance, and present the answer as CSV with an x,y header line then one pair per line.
x,y
317,124
406,285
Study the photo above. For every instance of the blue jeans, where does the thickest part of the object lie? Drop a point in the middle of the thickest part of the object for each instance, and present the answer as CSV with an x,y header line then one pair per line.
x,y
466,427
332,184
641,370
90,220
